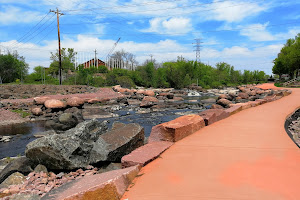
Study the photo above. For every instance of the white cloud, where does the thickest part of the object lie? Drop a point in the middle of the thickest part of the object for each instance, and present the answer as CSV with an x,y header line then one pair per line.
x,y
259,32
12,15
175,25
233,11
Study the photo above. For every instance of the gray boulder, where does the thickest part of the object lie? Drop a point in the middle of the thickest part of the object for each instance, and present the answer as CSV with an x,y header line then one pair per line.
x,y
121,140
22,165
87,143
67,150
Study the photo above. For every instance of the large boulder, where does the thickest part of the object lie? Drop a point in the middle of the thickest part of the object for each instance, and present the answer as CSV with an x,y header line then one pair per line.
x,y
87,143
54,104
75,102
68,150
121,140
40,100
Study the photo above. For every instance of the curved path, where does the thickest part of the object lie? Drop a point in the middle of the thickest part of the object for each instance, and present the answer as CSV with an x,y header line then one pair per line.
x,y
247,156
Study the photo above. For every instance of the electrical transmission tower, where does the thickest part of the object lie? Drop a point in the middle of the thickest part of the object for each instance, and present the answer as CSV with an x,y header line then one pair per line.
x,y
197,47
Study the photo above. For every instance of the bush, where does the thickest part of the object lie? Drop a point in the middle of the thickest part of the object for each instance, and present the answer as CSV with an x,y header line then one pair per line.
x,y
125,82
99,82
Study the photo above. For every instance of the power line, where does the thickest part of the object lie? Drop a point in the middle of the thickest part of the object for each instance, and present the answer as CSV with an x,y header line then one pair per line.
x,y
26,39
32,28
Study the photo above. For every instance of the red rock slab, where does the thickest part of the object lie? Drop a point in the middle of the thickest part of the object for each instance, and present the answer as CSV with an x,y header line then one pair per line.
x,y
209,117
254,103
110,185
145,154
220,113
176,129
261,101
244,105
270,98
234,109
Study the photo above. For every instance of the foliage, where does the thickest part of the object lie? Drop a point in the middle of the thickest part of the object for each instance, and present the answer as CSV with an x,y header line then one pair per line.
x,y
40,76
288,60
67,61
12,67
21,112
125,81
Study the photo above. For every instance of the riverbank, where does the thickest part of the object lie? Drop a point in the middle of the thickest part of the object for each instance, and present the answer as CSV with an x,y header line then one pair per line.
x,y
247,155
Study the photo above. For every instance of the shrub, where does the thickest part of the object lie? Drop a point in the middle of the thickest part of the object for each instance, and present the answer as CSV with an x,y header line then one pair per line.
x,y
125,81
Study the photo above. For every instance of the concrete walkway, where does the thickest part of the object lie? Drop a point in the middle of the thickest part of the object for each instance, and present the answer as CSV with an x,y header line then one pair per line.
x,y
247,156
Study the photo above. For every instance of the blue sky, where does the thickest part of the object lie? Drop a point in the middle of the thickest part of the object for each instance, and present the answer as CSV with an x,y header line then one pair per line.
x,y
247,34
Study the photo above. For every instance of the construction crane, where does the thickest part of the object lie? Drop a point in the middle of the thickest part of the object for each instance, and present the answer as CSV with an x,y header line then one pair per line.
x,y
112,49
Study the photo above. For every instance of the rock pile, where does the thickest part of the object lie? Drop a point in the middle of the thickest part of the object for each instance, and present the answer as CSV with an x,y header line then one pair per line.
x,y
38,183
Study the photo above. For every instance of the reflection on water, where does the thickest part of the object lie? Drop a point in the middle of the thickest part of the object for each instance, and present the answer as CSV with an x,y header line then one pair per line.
x,y
22,134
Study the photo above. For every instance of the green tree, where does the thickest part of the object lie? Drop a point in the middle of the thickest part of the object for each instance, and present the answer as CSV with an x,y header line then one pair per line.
x,y
12,67
67,61
288,60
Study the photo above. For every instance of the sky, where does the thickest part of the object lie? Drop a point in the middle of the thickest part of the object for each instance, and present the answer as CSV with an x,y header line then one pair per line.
x,y
247,34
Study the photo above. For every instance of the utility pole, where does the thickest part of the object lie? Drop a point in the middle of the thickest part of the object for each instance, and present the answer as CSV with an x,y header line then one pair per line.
x,y
58,13
197,47
96,65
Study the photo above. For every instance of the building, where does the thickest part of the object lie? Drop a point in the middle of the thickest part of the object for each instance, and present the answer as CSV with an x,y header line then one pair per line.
x,y
92,62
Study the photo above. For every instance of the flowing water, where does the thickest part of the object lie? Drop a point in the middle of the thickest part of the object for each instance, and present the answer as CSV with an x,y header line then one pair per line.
x,y
22,134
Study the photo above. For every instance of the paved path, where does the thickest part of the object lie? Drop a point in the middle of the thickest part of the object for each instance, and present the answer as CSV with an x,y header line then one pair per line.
x,y
247,156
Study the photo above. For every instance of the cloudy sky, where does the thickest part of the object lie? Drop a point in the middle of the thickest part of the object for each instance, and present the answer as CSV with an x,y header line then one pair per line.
x,y
247,34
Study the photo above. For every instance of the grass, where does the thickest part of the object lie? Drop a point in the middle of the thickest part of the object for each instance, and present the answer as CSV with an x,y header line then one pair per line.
x,y
21,112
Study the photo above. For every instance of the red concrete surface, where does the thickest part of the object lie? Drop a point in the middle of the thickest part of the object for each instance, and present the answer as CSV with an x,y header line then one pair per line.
x,y
247,156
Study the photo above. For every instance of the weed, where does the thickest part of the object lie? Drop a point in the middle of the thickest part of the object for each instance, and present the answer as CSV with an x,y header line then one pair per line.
x,y
21,112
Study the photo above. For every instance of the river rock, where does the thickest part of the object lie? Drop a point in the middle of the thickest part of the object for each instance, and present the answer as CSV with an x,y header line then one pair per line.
x,y
22,165
40,100
40,168
243,95
54,104
68,150
224,102
75,101
148,102
149,93
216,106
14,179
36,111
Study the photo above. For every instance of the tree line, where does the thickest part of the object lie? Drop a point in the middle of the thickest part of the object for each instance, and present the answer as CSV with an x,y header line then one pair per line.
x,y
177,74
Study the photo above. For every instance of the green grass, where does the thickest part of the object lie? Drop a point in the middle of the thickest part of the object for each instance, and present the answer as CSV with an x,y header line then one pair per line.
x,y
21,112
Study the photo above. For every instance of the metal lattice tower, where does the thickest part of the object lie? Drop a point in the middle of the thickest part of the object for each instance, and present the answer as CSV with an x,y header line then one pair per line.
x,y
197,47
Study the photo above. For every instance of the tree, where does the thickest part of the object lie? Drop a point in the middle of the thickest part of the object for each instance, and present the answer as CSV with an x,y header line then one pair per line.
x,y
288,60
124,56
67,61
12,67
